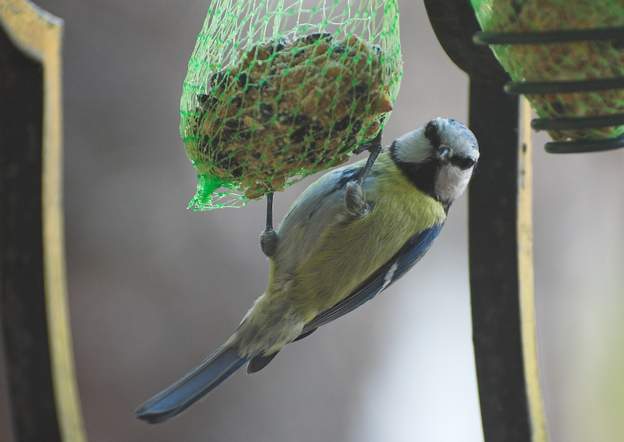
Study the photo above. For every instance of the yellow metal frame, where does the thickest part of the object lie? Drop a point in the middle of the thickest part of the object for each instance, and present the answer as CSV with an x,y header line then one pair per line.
x,y
526,277
39,34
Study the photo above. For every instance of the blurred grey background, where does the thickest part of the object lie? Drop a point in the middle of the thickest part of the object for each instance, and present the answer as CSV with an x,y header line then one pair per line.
x,y
154,287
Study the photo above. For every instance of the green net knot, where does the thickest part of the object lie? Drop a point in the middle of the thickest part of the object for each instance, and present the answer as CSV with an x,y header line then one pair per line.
x,y
208,197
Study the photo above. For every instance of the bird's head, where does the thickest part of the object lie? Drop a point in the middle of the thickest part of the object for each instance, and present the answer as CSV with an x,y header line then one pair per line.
x,y
438,159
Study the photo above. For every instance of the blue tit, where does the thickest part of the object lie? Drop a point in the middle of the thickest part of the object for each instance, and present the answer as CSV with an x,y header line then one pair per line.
x,y
343,242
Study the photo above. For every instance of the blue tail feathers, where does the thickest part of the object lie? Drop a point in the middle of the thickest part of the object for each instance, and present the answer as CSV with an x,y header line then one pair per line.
x,y
192,387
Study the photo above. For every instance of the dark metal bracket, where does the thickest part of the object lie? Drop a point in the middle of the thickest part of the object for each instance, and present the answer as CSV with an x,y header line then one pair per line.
x,y
34,323
500,231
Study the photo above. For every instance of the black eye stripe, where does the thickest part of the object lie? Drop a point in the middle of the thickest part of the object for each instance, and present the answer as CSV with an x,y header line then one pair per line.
x,y
463,162
431,132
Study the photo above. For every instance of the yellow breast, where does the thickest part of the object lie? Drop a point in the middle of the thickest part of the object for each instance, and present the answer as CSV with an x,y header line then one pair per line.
x,y
350,252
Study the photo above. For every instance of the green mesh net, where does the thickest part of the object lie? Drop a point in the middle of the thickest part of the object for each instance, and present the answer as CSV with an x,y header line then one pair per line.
x,y
279,89
561,61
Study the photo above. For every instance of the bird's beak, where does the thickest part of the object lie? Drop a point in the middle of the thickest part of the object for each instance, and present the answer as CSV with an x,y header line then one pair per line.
x,y
443,154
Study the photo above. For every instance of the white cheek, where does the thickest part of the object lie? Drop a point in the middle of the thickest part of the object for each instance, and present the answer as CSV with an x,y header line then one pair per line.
x,y
451,182
413,147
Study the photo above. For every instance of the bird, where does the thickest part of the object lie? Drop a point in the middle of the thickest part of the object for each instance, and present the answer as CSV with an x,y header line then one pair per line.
x,y
345,239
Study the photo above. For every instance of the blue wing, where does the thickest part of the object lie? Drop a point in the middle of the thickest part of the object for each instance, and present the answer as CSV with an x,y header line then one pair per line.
x,y
414,249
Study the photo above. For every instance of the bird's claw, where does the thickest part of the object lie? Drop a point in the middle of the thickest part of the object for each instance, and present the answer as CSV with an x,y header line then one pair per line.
x,y
268,242
354,200
369,146
361,148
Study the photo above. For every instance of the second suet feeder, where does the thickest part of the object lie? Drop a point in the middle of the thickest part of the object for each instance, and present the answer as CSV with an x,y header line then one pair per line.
x,y
567,57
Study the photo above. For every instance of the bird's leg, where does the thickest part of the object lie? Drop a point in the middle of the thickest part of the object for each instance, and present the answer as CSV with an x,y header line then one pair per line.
x,y
374,149
268,238
354,196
